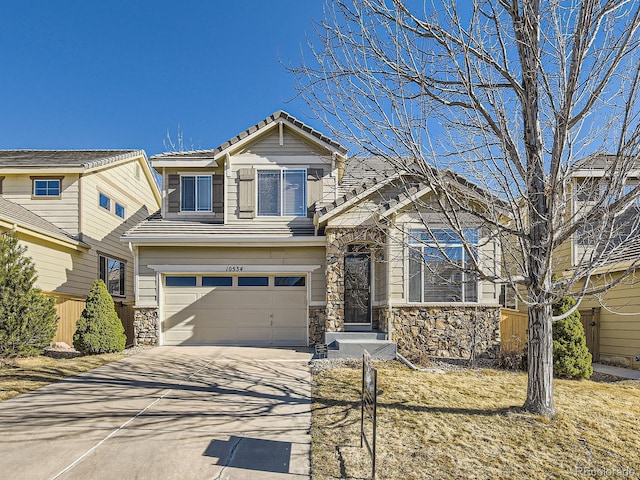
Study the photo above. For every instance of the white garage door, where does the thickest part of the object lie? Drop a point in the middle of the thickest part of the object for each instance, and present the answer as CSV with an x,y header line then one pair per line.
x,y
224,310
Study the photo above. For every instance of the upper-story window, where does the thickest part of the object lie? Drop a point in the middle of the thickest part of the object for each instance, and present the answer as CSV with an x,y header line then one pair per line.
x,y
282,193
46,187
195,193
104,202
119,210
437,261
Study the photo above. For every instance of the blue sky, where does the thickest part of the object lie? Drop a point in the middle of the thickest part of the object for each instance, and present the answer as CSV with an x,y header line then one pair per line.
x,y
120,74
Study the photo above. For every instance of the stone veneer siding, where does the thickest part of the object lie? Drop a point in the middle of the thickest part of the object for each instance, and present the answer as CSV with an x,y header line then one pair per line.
x,y
447,331
338,240
146,326
317,321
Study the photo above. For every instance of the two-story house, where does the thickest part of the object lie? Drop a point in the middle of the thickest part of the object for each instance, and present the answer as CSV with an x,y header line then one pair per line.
x,y
610,319
69,208
276,238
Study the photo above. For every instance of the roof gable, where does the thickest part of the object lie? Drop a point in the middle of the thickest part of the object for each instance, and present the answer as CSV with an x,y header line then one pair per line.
x,y
256,131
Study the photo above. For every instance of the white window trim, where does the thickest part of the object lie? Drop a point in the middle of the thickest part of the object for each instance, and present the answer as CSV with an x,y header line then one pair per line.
x,y
196,212
281,170
46,179
408,246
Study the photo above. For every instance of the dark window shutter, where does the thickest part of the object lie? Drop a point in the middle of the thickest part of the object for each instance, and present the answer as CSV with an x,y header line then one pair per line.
x,y
218,194
173,193
102,269
314,189
122,278
246,193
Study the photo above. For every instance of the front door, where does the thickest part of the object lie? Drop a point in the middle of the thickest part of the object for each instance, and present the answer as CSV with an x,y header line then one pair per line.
x,y
357,291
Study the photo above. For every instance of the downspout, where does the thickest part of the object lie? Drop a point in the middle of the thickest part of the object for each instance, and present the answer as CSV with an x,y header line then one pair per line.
x,y
163,207
389,293
134,252
80,226
227,176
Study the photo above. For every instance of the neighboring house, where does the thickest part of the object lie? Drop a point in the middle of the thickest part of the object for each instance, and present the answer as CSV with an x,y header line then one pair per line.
x,y
70,207
612,321
275,238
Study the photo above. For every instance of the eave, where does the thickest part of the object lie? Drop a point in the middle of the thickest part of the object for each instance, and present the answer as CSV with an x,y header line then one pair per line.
x,y
226,241
46,236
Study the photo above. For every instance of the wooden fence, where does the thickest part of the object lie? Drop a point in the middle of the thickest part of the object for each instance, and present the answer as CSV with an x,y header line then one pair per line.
x,y
69,310
513,330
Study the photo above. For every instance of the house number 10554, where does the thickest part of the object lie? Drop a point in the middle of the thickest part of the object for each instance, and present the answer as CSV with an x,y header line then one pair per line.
x,y
233,268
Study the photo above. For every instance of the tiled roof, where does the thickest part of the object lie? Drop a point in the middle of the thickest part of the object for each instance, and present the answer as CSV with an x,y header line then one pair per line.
x,y
363,174
185,231
64,158
14,213
360,174
270,119
625,252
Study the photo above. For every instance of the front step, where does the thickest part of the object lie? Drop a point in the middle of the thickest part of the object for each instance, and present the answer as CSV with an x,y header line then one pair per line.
x,y
353,344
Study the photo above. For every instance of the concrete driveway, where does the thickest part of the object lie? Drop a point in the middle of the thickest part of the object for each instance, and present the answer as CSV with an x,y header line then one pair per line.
x,y
167,413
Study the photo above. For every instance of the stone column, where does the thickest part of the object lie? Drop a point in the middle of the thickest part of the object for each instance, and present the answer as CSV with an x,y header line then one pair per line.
x,y
146,326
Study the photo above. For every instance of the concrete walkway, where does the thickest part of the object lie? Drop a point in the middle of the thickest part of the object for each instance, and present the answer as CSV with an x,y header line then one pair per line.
x,y
617,371
167,413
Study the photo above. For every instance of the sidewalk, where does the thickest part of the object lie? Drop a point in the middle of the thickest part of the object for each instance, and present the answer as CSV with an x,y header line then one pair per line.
x,y
617,371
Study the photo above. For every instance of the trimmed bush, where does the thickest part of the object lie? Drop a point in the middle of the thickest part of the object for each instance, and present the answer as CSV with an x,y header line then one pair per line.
x,y
99,329
571,357
27,317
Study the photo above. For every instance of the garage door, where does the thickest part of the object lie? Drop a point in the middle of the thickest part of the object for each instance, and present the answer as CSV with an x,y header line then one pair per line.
x,y
239,310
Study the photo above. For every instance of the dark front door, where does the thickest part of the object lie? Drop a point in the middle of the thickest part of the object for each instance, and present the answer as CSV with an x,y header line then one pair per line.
x,y
357,281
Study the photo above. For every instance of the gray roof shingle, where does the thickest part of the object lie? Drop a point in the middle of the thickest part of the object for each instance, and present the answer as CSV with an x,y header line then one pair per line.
x,y
155,226
63,158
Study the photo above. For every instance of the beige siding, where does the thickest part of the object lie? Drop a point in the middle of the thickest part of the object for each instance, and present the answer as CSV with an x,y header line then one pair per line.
x,y
204,256
619,324
62,212
102,229
55,266
292,144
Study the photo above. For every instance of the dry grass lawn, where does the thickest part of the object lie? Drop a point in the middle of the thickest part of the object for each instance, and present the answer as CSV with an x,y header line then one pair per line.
x,y
26,374
467,425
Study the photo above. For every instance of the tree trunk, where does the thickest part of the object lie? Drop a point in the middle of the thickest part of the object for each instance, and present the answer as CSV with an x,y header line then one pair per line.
x,y
540,356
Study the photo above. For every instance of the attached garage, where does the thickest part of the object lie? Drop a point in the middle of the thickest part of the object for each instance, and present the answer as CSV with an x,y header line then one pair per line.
x,y
257,310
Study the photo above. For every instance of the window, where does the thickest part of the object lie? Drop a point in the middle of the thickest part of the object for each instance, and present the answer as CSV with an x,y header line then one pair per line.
x,y
297,281
104,202
112,273
176,281
253,281
436,266
46,187
120,210
282,193
195,193
216,281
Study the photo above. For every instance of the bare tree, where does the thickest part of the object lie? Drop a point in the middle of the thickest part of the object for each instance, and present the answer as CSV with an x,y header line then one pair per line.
x,y
517,97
